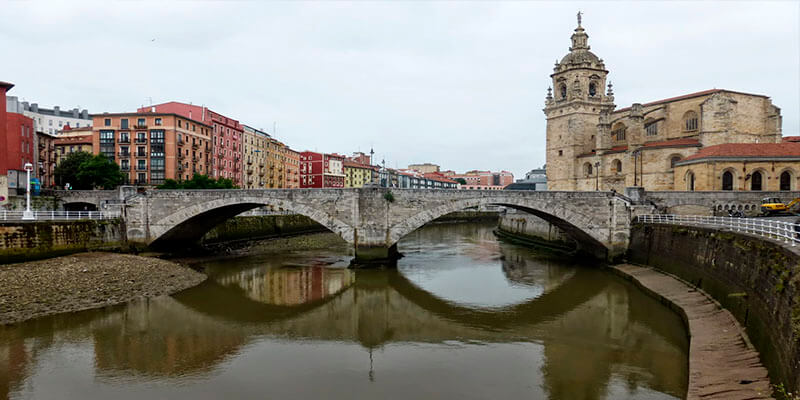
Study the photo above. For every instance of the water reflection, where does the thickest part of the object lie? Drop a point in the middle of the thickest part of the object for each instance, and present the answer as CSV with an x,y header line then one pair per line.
x,y
268,325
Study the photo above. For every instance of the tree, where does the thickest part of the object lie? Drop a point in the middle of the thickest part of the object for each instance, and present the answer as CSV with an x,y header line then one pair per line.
x,y
198,181
461,181
99,172
67,170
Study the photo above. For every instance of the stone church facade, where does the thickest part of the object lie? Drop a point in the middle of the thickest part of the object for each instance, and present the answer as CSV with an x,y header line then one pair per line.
x,y
592,145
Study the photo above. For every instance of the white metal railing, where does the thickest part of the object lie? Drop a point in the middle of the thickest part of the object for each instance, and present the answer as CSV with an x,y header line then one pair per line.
x,y
786,232
6,215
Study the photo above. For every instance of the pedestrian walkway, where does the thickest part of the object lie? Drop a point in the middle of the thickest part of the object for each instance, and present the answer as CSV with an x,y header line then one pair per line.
x,y
722,362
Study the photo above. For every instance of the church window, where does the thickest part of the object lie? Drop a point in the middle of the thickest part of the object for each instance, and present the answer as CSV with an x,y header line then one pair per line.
x,y
616,166
786,180
561,152
563,90
651,128
592,89
673,160
690,120
727,180
587,169
690,181
756,181
618,133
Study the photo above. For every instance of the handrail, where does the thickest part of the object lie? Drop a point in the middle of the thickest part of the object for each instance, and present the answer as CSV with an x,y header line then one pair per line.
x,y
786,232
6,215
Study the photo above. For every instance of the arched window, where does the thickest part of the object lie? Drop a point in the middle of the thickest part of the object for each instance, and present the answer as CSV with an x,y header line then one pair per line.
x,y
756,181
587,169
651,127
592,89
616,166
618,132
727,180
673,160
786,180
690,121
563,89
690,181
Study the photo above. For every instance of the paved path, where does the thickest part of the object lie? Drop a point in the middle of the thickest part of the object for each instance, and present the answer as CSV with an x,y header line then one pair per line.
x,y
722,362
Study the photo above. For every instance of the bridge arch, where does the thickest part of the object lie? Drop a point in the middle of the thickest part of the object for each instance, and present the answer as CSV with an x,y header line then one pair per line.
x,y
187,225
591,234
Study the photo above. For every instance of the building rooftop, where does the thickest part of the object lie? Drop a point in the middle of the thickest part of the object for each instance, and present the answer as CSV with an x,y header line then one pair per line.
x,y
747,150
689,96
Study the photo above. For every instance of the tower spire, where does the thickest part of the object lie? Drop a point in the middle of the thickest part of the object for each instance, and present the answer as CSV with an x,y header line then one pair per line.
x,y
579,17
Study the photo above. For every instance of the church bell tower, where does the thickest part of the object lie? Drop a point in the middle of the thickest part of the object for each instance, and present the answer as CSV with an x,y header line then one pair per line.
x,y
576,109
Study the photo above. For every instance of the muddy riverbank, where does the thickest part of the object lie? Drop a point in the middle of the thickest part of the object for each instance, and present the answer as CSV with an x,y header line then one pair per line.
x,y
84,281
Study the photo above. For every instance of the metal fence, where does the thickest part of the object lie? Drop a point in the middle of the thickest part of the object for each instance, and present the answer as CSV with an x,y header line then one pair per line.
x,y
786,232
58,215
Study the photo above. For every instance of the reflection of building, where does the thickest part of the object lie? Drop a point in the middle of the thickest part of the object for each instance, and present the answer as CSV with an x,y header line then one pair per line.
x,y
290,286
593,146
152,147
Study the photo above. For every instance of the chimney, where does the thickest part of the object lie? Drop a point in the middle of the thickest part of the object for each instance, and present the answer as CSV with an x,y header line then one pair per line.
x,y
35,107
56,111
75,113
152,109
85,114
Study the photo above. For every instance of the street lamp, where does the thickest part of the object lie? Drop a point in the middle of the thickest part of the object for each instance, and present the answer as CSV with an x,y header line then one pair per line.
x,y
28,214
597,176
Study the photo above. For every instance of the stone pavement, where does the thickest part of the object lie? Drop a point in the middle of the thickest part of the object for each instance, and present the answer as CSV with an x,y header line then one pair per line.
x,y
722,362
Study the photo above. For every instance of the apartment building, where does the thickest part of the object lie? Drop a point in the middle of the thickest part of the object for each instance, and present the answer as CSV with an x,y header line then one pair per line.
x,y
152,147
320,170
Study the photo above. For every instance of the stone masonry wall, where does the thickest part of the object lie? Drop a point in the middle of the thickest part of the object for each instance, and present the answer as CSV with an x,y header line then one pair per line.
x,y
34,240
255,227
755,279
530,227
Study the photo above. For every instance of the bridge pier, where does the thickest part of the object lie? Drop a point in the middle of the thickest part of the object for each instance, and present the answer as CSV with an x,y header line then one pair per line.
x,y
372,255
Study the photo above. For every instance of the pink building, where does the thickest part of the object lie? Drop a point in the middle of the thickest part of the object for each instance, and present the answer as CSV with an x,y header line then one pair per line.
x,y
226,141
488,179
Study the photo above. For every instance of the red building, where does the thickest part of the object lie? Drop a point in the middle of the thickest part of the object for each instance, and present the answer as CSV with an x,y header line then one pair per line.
x,y
19,142
226,142
4,87
319,170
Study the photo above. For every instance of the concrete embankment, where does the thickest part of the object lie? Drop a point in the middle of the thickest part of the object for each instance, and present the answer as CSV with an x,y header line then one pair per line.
x,y
84,281
26,241
260,227
722,362
530,230
754,278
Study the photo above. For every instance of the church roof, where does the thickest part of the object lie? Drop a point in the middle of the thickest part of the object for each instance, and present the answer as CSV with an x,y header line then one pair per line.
x,y
689,96
746,150
580,57
791,138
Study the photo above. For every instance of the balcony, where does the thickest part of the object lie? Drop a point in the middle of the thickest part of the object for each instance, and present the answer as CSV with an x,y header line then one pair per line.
x,y
249,171
195,145
125,140
141,140
181,142
141,168
125,168
195,159
180,167
261,173
124,154
249,162
140,154
138,126
221,155
181,156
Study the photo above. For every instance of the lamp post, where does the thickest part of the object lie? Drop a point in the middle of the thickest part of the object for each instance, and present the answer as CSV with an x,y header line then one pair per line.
x,y
28,214
597,176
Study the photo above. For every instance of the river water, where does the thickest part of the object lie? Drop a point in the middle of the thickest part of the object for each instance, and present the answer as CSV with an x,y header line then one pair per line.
x,y
463,316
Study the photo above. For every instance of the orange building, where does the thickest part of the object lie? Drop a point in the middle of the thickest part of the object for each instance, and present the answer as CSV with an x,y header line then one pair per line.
x,y
152,147
292,165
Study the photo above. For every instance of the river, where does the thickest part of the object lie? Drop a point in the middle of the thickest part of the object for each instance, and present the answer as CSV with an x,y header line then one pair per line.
x,y
462,316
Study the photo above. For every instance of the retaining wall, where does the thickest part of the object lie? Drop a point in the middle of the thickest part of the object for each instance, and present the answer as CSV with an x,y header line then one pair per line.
x,y
755,279
530,229
25,241
260,227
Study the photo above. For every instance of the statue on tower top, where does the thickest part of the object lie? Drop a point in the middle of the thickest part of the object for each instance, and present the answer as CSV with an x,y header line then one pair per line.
x,y
579,18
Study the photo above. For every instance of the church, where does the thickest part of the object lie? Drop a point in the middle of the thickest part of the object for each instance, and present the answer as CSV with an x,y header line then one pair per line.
x,y
711,140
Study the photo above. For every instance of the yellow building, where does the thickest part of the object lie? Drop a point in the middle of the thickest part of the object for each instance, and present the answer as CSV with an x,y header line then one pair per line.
x,y
256,145
72,141
357,175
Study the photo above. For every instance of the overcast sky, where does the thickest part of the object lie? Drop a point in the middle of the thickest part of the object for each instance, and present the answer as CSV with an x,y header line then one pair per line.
x,y
461,85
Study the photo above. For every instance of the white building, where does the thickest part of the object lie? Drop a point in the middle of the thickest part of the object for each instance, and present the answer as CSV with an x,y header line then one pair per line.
x,y
50,121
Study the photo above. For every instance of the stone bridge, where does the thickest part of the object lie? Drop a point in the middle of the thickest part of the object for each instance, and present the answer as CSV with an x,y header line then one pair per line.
x,y
373,220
